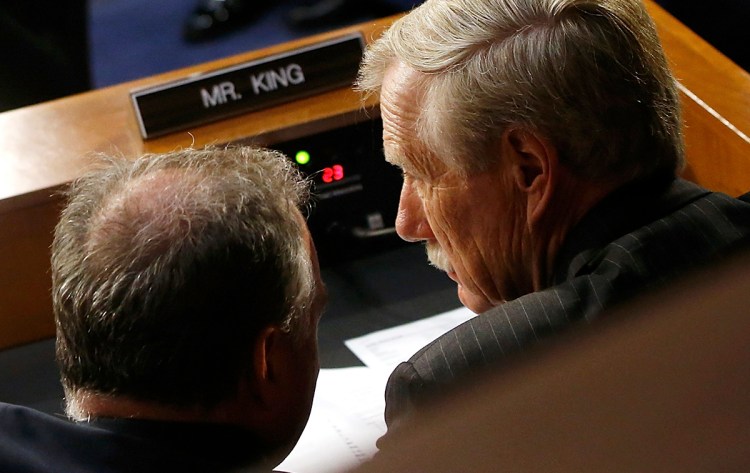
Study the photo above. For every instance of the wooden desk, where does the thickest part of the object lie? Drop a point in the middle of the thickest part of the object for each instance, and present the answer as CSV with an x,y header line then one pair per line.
x,y
43,147
716,107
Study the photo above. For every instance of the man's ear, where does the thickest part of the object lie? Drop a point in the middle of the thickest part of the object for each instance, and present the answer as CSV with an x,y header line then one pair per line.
x,y
534,167
265,362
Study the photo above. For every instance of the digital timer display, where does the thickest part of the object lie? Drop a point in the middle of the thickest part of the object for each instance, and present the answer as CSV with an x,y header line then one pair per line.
x,y
337,162
354,190
332,174
325,168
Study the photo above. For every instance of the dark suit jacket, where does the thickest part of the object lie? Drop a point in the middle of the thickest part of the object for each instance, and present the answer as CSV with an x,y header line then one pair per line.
x,y
634,240
34,442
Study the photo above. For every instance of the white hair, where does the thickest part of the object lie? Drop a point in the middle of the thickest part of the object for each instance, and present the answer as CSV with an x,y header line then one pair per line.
x,y
590,75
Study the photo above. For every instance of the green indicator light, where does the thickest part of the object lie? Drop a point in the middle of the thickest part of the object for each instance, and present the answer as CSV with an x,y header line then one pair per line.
x,y
302,157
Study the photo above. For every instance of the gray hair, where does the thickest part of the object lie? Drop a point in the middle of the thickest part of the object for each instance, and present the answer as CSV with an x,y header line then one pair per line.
x,y
590,75
164,269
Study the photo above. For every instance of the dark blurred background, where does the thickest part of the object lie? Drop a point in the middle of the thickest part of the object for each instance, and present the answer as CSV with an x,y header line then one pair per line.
x,y
50,49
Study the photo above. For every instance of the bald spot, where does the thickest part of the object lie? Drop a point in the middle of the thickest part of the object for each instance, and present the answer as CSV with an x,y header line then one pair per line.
x,y
149,214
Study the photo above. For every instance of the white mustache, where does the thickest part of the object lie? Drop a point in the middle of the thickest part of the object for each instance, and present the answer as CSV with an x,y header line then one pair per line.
x,y
437,257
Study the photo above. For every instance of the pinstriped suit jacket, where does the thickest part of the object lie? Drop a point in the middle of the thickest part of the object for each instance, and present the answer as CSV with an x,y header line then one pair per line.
x,y
632,241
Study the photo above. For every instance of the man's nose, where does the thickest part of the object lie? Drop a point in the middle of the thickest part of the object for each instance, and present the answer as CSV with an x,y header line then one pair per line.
x,y
411,221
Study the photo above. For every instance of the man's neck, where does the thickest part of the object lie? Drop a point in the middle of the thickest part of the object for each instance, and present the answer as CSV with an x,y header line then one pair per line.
x,y
87,405
573,199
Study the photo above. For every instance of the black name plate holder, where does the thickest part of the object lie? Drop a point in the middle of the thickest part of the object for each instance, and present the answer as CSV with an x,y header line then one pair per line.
x,y
248,86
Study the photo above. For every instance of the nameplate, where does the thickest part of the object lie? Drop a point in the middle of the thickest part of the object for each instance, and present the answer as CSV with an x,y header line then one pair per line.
x,y
249,86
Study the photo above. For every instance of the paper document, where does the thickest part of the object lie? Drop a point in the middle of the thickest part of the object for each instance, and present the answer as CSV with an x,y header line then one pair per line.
x,y
385,349
347,411
345,422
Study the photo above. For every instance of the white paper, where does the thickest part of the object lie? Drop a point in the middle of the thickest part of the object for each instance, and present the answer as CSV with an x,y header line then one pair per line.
x,y
345,422
347,412
385,349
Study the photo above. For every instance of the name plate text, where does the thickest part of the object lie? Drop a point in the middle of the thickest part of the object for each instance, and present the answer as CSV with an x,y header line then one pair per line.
x,y
248,86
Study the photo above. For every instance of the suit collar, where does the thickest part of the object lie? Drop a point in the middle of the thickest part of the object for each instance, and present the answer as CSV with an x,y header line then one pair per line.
x,y
623,211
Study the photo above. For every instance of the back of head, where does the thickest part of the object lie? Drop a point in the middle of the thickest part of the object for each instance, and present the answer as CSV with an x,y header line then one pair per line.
x,y
590,75
165,268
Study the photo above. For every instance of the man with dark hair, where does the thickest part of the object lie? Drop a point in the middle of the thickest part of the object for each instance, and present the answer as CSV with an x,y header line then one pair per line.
x,y
187,296
540,142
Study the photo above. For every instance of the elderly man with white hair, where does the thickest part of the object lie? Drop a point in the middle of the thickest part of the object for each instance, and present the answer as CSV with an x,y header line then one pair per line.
x,y
540,143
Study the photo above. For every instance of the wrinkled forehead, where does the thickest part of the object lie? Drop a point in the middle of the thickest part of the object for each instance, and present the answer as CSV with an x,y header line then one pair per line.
x,y
401,107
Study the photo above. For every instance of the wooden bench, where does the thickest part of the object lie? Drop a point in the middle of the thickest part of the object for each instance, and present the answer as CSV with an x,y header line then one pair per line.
x,y
45,146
